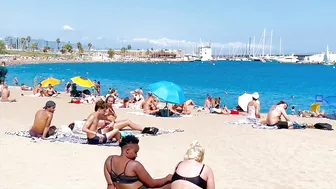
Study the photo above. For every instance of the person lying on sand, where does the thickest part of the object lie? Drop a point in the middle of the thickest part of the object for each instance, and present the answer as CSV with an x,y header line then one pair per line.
x,y
5,94
182,109
25,87
123,171
95,134
41,127
192,173
111,116
274,116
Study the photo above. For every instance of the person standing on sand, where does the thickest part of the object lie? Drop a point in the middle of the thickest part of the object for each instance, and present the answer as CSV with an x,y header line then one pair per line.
x,y
96,135
274,116
41,127
3,72
5,94
124,172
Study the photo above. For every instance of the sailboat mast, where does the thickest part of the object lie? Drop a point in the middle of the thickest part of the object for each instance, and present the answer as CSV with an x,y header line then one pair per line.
x,y
263,45
280,47
270,51
253,46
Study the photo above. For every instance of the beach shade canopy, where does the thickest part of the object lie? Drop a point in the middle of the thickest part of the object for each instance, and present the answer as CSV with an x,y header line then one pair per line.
x,y
315,107
82,81
330,100
168,92
51,81
243,101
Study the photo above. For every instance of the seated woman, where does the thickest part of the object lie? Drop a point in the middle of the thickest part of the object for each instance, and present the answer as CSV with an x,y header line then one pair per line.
x,y
123,172
191,173
253,107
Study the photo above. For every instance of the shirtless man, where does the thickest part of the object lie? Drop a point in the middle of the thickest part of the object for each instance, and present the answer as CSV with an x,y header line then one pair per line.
x,y
41,127
274,116
149,106
95,134
5,94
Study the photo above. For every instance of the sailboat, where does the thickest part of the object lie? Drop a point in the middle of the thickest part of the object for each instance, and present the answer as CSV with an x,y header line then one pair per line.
x,y
326,58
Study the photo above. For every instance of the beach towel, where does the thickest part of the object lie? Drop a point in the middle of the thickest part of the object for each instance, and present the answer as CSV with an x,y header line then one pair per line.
x,y
66,135
143,114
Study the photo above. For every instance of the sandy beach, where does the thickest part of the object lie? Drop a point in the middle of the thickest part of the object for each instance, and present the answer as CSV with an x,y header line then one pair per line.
x,y
240,156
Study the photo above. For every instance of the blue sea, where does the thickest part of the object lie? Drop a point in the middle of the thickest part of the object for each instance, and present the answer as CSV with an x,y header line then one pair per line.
x,y
296,84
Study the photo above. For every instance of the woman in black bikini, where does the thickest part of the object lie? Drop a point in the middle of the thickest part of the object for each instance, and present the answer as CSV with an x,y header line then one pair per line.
x,y
123,172
191,173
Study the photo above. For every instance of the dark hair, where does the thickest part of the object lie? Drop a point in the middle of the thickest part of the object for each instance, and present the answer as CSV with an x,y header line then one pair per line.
x,y
108,97
100,105
129,139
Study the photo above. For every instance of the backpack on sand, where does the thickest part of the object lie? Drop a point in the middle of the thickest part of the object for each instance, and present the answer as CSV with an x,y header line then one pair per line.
x,y
323,126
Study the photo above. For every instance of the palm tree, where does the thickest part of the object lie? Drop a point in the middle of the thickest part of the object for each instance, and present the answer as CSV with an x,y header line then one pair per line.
x,y
28,40
58,41
34,46
90,45
23,43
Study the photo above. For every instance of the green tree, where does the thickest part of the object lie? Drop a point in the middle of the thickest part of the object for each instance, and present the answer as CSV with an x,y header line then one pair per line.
x,y
111,53
90,45
67,48
80,47
34,46
28,40
2,47
58,41
123,50
129,47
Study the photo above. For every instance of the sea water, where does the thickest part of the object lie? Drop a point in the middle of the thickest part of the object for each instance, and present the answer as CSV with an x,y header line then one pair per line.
x,y
297,84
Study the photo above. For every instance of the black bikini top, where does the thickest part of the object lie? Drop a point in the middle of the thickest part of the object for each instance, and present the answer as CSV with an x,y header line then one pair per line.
x,y
122,178
198,180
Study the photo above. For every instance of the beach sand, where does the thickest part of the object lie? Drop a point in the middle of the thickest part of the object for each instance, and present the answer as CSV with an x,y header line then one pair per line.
x,y
240,156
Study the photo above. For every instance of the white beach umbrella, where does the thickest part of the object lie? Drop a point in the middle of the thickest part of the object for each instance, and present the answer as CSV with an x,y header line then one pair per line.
x,y
243,101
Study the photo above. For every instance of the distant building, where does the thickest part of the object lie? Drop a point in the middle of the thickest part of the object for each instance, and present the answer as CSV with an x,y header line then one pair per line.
x,y
205,53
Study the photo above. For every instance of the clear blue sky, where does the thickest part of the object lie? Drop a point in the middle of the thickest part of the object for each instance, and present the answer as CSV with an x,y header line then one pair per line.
x,y
305,26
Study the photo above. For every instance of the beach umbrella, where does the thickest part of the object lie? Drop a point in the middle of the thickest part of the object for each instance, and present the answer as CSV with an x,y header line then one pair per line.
x,y
330,100
51,81
243,101
168,92
82,81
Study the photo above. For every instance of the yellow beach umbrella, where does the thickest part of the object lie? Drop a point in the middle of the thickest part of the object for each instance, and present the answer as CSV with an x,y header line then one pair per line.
x,y
315,107
82,81
51,81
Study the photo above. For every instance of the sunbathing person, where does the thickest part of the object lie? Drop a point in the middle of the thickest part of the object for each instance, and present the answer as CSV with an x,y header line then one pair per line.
x,y
150,106
95,134
274,116
111,116
5,94
192,173
253,107
182,109
41,127
50,90
25,87
124,172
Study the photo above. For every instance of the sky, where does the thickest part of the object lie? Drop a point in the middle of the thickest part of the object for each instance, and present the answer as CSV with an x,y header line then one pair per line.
x,y
304,26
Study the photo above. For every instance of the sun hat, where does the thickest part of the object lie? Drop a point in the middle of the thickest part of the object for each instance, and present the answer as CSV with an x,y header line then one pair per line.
x,y
255,95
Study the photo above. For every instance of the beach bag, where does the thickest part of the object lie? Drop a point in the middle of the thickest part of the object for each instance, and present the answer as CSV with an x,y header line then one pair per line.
x,y
323,126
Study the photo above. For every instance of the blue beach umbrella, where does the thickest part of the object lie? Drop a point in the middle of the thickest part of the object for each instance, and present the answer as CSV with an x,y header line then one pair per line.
x,y
168,92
